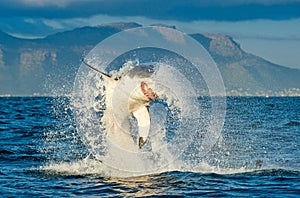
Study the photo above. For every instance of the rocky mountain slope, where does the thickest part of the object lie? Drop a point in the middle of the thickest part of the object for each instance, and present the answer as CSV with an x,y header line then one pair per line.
x,y
49,65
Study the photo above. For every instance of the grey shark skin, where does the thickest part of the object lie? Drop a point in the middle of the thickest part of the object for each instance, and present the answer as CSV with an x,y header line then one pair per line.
x,y
133,90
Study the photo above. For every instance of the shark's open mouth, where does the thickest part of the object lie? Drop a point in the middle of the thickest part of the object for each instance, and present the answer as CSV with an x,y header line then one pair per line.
x,y
147,91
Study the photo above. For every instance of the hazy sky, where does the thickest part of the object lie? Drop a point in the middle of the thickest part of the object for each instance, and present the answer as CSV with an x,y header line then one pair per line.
x,y
267,28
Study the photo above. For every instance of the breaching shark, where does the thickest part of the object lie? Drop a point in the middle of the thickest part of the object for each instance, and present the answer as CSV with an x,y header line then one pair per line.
x,y
129,94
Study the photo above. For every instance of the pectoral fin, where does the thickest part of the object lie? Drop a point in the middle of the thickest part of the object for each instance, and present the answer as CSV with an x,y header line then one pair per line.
x,y
143,119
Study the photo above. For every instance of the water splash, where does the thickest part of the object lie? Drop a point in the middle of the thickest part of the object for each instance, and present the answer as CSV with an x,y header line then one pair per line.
x,y
182,131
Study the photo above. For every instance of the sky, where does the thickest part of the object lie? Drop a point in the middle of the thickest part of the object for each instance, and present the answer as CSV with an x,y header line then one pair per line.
x,y
267,28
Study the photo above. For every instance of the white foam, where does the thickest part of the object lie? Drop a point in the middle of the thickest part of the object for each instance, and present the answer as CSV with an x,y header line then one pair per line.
x,y
174,127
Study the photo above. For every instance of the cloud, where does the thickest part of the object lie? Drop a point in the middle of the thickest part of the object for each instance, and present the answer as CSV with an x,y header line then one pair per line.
x,y
41,3
45,3
261,26
64,3
30,21
53,24
192,10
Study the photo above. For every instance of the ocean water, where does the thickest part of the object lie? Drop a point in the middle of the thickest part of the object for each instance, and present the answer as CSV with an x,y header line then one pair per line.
x,y
42,154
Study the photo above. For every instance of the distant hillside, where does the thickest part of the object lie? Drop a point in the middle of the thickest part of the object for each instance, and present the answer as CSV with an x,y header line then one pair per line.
x,y
247,74
43,65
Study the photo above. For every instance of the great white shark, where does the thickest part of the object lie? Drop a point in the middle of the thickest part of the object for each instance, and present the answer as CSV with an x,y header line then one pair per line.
x,y
129,94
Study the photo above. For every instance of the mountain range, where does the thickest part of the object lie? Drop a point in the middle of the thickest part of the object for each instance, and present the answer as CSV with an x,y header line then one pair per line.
x,y
48,66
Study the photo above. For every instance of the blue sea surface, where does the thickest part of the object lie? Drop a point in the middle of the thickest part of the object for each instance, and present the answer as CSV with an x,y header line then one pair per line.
x,y
259,154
